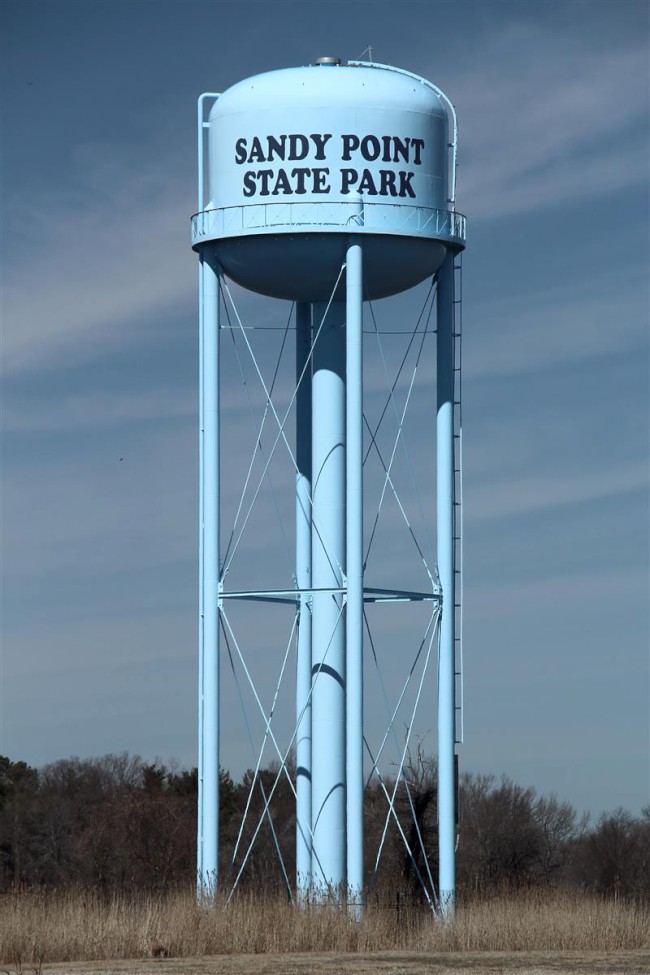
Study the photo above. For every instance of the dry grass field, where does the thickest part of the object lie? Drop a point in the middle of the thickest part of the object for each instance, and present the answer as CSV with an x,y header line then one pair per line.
x,y
378,963
526,933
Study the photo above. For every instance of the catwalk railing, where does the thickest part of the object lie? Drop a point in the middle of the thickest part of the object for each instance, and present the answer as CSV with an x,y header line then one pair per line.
x,y
358,215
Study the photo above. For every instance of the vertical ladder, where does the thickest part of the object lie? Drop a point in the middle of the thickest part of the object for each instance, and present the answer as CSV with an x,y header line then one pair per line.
x,y
458,497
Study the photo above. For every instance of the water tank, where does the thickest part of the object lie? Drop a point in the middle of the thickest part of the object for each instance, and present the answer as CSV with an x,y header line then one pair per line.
x,y
300,159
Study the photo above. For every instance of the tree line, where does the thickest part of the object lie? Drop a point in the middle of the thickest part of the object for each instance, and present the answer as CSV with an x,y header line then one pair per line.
x,y
120,823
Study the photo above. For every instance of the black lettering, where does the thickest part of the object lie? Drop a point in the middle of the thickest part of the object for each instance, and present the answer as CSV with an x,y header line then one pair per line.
x,y
256,153
300,174
298,147
348,178
240,151
401,148
387,140
320,141
367,183
282,184
350,145
264,175
320,184
276,145
405,188
249,183
388,178
418,145
370,147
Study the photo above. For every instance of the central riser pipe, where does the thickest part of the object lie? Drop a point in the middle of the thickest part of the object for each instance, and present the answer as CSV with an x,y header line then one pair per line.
x,y
328,626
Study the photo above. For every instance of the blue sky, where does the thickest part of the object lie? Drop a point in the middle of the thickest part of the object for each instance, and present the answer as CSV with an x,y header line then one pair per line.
x,y
99,349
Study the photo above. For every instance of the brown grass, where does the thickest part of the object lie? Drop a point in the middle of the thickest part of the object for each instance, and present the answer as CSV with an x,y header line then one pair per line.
x,y
376,963
85,926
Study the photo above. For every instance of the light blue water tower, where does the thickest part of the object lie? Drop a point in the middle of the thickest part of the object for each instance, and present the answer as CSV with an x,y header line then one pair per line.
x,y
328,185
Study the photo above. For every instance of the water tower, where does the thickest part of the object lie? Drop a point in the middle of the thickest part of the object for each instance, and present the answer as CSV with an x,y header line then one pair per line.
x,y
328,186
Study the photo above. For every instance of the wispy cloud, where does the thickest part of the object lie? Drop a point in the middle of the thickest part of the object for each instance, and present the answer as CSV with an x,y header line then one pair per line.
x,y
101,261
99,409
595,587
555,324
524,495
536,132
546,122
90,508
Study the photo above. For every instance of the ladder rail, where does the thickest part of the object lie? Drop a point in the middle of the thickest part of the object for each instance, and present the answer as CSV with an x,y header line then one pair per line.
x,y
458,500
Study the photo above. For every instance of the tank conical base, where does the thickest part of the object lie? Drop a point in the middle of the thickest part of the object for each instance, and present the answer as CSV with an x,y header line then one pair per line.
x,y
304,266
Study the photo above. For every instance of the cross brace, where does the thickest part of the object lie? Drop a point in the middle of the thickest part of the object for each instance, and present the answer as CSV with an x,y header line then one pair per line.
x,y
370,595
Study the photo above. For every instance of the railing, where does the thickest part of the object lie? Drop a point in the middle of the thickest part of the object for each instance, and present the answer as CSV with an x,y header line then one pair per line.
x,y
356,216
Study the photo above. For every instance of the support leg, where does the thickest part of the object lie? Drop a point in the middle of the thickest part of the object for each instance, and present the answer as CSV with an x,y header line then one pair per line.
x,y
208,811
303,581
445,520
354,570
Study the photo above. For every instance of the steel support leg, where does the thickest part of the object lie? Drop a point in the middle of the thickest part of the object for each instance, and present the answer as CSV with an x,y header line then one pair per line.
x,y
328,627
445,521
354,571
208,804
303,581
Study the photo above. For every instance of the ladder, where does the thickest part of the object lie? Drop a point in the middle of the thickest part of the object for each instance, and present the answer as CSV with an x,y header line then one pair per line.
x,y
458,500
